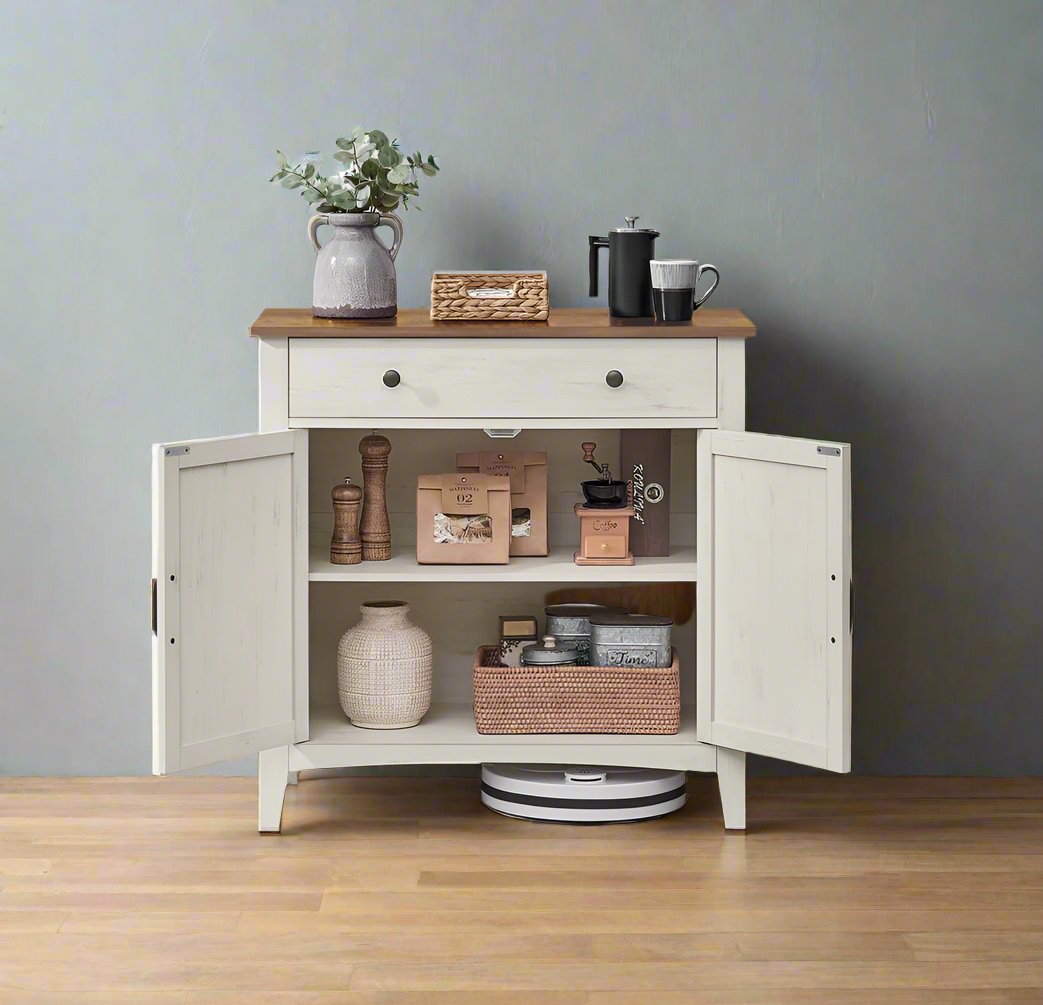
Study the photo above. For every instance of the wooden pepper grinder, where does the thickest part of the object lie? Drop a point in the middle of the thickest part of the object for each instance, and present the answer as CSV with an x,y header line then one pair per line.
x,y
345,546
375,528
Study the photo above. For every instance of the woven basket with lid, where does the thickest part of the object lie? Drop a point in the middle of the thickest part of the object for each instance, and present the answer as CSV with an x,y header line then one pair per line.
x,y
489,296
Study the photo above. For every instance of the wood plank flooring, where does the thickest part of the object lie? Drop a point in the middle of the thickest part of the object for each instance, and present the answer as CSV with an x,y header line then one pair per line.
x,y
406,891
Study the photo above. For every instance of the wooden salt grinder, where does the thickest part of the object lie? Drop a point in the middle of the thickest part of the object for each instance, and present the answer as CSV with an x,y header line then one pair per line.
x,y
345,546
375,530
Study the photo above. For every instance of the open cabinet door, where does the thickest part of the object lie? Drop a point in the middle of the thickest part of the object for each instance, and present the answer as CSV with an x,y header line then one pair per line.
x,y
774,597
230,597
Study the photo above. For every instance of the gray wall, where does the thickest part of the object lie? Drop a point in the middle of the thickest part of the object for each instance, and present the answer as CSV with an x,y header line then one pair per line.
x,y
866,175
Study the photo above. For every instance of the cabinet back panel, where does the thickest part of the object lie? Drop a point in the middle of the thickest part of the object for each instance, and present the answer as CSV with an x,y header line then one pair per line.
x,y
334,454
459,617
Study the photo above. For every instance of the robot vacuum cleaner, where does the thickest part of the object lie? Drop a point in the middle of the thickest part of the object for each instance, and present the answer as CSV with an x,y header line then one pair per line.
x,y
581,795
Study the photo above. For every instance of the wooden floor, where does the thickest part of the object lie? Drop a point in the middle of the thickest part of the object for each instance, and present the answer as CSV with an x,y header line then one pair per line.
x,y
404,890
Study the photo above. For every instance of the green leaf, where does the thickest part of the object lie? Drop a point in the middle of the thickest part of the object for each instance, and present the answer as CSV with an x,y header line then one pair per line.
x,y
312,196
389,200
344,156
370,169
399,174
389,157
357,133
292,181
281,159
309,171
343,143
428,169
378,137
362,194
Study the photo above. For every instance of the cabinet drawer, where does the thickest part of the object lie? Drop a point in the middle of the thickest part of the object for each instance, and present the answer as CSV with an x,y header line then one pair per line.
x,y
502,378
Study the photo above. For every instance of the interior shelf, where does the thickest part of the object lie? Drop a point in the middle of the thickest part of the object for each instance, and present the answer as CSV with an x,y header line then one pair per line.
x,y
447,735
455,724
558,567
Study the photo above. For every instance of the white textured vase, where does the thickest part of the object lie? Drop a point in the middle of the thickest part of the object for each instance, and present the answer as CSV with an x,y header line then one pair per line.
x,y
355,270
384,668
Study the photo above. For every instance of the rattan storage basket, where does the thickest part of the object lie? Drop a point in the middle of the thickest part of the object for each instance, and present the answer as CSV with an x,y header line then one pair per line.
x,y
489,296
574,699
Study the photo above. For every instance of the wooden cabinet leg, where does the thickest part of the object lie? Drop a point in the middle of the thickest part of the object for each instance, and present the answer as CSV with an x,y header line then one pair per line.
x,y
731,777
273,771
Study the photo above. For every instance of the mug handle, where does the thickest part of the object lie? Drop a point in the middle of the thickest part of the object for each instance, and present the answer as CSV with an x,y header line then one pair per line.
x,y
392,221
313,229
716,279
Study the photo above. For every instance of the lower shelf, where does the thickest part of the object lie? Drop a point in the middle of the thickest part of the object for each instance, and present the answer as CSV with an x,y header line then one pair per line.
x,y
447,735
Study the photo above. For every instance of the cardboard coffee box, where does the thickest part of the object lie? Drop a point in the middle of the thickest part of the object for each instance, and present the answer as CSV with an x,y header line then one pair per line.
x,y
463,519
527,472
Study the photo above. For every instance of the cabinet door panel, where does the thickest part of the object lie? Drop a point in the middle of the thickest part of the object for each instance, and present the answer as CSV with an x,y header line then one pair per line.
x,y
774,645
230,562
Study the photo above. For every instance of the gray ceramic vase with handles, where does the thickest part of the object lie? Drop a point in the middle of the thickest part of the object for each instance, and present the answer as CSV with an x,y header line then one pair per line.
x,y
355,270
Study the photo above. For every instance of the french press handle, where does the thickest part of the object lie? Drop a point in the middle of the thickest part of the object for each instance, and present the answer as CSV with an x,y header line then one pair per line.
x,y
596,243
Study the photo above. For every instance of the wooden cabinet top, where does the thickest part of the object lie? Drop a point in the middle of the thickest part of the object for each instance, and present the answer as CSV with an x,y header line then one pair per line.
x,y
564,322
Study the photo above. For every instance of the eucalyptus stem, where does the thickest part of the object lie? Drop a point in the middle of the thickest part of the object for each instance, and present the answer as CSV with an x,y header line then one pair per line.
x,y
389,179
307,181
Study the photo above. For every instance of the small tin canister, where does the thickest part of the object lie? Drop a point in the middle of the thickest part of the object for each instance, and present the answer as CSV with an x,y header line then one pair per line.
x,y
548,653
570,625
516,632
630,640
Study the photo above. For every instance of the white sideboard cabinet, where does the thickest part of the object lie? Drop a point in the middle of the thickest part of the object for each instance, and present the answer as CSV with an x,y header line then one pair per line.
x,y
247,608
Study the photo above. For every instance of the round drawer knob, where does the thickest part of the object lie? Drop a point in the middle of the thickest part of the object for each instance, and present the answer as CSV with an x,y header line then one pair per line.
x,y
392,378
614,378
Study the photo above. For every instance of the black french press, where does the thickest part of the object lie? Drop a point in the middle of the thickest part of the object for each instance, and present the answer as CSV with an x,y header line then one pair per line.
x,y
630,250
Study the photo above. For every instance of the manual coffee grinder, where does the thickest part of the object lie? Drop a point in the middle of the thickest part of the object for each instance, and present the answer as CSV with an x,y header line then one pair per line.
x,y
604,519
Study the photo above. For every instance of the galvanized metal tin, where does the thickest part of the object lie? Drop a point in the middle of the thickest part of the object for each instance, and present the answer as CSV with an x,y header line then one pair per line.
x,y
570,625
630,640
548,653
